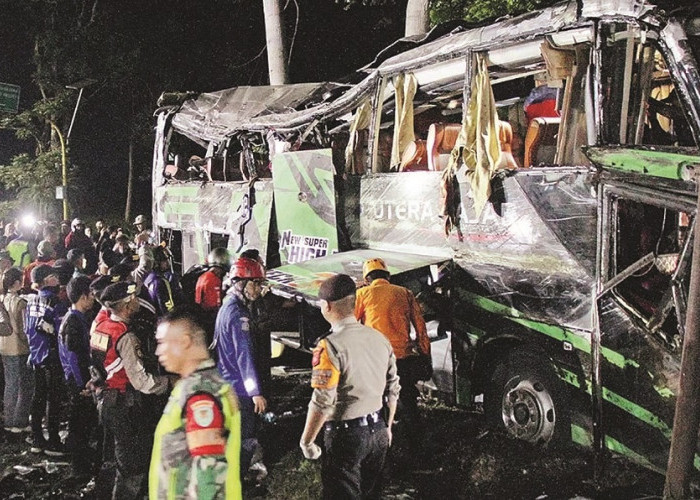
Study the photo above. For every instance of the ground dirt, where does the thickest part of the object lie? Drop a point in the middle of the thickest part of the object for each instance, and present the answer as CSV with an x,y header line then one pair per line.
x,y
455,458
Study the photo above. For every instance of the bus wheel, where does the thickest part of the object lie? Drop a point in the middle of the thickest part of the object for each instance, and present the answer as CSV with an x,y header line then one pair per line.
x,y
523,399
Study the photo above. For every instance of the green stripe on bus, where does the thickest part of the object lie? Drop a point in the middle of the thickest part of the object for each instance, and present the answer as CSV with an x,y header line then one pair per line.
x,y
554,332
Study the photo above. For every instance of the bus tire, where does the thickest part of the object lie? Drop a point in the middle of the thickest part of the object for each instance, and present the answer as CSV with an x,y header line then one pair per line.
x,y
524,398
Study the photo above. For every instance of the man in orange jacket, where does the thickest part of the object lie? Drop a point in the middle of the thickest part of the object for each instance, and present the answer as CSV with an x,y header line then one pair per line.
x,y
392,309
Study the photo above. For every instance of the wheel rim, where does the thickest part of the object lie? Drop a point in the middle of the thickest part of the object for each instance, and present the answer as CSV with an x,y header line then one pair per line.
x,y
528,410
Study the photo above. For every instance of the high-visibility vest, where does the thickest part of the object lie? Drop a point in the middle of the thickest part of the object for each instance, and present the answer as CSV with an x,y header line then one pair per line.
x,y
172,481
19,251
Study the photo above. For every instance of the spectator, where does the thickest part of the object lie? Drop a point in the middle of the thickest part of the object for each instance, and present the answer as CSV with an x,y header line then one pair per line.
x,y
78,239
14,349
42,322
6,262
76,257
21,249
74,352
46,254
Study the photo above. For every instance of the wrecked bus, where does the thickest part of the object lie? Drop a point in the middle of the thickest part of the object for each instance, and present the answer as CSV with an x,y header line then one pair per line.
x,y
532,180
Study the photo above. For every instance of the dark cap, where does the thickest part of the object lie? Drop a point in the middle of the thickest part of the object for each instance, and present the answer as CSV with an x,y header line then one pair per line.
x,y
41,272
117,292
4,254
64,270
100,283
337,287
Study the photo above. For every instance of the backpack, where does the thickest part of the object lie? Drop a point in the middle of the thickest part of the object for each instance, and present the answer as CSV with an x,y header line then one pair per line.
x,y
5,326
188,282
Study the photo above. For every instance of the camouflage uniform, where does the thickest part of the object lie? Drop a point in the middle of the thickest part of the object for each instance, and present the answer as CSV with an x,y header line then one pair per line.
x,y
196,447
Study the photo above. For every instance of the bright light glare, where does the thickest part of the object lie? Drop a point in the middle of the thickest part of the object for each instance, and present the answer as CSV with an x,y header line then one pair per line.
x,y
28,220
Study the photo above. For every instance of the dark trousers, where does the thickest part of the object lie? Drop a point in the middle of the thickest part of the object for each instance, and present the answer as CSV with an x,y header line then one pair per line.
x,y
132,443
82,421
353,461
407,411
48,388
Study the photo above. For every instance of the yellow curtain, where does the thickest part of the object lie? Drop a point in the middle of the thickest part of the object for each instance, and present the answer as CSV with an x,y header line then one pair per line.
x,y
477,143
360,121
405,86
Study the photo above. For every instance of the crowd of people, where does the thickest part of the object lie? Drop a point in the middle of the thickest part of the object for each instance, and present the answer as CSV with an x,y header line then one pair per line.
x,y
156,372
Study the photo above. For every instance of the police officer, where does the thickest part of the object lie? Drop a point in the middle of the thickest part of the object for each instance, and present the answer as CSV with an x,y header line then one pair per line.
x,y
116,350
392,309
353,369
197,442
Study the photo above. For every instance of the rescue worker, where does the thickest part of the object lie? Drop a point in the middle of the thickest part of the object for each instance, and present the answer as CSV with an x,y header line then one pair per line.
x,y
353,369
21,249
159,288
74,351
116,351
234,347
392,309
41,324
196,447
208,290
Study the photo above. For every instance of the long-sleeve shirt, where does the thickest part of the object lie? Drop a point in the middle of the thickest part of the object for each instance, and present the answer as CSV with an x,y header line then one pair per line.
x,y
15,344
233,340
392,309
353,368
42,321
128,348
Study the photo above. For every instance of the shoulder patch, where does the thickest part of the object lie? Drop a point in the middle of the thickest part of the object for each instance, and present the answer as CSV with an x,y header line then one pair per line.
x,y
99,341
324,374
204,426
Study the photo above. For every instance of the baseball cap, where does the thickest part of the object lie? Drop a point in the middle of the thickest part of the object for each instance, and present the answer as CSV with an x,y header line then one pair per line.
x,y
140,219
337,287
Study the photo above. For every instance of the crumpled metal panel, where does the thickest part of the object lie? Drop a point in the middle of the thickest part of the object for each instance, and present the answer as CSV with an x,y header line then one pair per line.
x,y
222,208
533,23
602,8
527,250
215,115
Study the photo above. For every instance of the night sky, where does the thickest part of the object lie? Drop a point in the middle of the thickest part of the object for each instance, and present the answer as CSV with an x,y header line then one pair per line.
x,y
182,45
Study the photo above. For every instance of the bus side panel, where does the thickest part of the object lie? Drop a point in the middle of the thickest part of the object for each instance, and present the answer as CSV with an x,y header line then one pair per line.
x,y
305,205
231,209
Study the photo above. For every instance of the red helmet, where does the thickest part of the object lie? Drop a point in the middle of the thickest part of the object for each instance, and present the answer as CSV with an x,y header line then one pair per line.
x,y
248,269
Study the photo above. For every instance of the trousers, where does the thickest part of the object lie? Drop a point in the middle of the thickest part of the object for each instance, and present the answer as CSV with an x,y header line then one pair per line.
x,y
132,444
48,390
19,390
353,461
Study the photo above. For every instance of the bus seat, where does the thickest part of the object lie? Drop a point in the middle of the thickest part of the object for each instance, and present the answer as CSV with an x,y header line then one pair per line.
x,y
505,140
443,136
414,157
541,141
441,140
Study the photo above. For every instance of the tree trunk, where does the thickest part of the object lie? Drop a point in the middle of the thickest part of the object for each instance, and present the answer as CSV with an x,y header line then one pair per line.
x,y
417,18
276,51
129,182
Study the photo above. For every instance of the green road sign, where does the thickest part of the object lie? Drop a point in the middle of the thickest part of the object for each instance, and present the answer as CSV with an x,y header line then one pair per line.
x,y
9,97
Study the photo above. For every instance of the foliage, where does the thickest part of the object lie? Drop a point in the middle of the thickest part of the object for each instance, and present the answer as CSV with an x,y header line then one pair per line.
x,y
480,10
